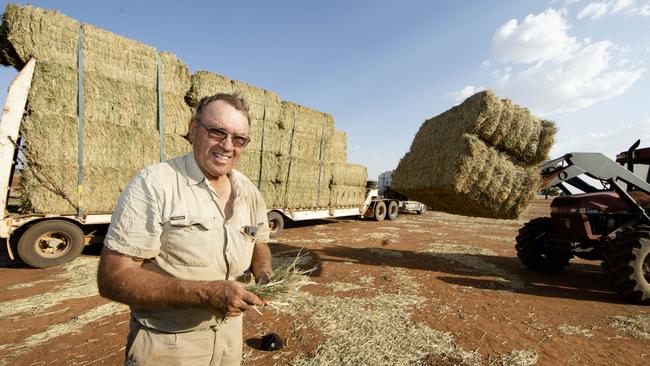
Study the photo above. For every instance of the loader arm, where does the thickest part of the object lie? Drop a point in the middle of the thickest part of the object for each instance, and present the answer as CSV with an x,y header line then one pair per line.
x,y
567,168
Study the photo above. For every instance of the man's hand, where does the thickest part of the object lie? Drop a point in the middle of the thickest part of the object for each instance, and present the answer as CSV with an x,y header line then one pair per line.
x,y
230,297
264,276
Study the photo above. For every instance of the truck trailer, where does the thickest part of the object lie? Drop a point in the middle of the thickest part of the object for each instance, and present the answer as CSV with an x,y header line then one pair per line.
x,y
45,240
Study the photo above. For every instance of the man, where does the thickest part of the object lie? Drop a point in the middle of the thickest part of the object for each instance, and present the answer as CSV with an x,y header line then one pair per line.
x,y
181,233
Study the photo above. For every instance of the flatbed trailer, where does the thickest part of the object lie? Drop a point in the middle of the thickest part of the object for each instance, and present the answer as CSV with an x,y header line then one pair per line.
x,y
45,240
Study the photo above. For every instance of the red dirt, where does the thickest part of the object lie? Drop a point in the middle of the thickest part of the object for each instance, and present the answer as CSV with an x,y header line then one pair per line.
x,y
464,269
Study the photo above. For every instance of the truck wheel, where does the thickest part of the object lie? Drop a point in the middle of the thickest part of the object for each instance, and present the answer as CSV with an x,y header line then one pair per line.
x,y
422,209
379,213
392,210
276,223
50,243
627,262
539,252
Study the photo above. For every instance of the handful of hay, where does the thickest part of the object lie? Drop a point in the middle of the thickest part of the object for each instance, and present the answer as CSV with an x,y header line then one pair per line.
x,y
284,284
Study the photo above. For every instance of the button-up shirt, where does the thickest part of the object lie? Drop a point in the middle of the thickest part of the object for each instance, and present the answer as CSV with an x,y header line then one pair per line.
x,y
169,214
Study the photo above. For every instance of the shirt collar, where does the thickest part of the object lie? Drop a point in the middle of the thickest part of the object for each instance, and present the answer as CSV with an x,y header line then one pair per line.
x,y
195,175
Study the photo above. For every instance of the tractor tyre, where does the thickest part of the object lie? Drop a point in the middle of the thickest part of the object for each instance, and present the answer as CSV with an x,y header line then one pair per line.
x,y
539,252
392,209
627,263
50,243
276,223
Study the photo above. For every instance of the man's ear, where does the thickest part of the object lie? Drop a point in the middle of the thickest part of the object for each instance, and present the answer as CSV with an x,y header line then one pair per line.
x,y
191,131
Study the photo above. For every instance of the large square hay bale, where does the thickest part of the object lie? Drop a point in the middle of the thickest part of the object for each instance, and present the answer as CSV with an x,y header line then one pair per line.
x,y
346,174
338,151
467,177
501,124
264,104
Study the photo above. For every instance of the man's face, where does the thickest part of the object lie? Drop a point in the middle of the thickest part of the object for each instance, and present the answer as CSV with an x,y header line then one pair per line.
x,y
217,158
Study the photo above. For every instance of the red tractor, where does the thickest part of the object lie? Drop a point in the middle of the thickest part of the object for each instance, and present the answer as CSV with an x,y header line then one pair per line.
x,y
607,223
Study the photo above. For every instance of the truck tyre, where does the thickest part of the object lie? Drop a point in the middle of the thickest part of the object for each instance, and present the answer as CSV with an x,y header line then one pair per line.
x,y
50,243
379,212
276,223
539,252
422,209
627,263
392,210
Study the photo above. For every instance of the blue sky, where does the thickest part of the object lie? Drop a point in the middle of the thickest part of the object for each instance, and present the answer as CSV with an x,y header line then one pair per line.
x,y
382,67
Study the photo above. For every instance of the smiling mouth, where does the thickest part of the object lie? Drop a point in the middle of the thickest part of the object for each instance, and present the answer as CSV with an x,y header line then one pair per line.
x,y
221,156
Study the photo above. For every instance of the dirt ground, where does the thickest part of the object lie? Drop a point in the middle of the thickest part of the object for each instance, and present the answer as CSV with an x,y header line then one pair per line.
x,y
434,289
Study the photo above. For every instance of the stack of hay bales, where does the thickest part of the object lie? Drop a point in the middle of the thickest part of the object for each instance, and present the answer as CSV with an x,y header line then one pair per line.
x,y
295,157
478,159
120,130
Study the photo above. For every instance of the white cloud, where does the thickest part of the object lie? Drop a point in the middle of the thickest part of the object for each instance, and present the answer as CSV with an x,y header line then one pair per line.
x,y
538,38
554,82
464,93
609,142
598,9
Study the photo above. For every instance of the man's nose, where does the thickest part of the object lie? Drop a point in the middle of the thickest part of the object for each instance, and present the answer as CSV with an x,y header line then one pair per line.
x,y
227,144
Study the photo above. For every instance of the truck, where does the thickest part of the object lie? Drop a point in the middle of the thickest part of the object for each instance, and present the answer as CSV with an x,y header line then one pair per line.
x,y
604,218
405,205
46,240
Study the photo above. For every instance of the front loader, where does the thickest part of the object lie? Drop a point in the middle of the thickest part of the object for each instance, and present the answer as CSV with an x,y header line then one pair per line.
x,y
608,221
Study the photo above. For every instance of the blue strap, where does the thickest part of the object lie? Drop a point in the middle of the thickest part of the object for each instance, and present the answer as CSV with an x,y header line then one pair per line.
x,y
259,178
160,108
320,172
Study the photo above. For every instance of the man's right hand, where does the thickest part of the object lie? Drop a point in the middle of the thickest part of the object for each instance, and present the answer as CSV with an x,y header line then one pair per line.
x,y
229,297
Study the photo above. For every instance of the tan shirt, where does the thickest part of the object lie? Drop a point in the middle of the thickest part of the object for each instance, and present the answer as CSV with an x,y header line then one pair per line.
x,y
169,213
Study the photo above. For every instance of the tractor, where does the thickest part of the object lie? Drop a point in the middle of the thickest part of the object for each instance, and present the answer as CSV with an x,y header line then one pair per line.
x,y
604,218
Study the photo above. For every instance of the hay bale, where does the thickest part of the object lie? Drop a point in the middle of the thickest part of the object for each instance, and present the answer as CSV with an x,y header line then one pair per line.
x,y
176,84
341,195
47,35
264,104
345,174
205,83
501,124
53,188
307,183
338,151
174,145
467,178
119,79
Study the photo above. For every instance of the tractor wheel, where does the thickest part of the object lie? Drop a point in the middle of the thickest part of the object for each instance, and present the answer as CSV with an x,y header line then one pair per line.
x,y
50,243
392,210
627,262
276,223
539,252
379,211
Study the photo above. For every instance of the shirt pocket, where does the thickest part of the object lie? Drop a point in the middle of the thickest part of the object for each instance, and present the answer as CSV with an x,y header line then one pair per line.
x,y
191,240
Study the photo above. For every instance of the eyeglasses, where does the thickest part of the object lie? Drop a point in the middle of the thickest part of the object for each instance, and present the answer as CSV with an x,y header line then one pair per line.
x,y
219,134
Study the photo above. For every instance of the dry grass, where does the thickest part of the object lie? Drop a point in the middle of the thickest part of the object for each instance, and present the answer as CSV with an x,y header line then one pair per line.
x,y
523,357
638,326
373,331
574,330
285,283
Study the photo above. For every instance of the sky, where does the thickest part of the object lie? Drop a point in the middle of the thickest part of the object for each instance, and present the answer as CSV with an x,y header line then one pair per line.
x,y
381,68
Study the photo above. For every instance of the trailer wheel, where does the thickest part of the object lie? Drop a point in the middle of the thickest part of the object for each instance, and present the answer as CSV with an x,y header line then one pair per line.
x,y
392,210
276,223
539,252
50,243
627,262
379,212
